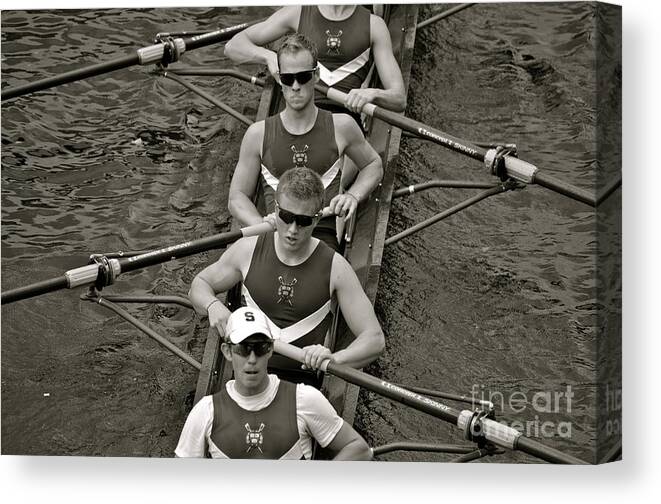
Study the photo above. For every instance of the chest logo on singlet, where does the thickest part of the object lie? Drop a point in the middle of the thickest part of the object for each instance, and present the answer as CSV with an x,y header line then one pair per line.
x,y
286,290
254,438
333,42
300,158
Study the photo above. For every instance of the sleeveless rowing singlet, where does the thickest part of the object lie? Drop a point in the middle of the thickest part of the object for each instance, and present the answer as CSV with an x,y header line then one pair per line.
x,y
316,149
296,299
344,47
270,433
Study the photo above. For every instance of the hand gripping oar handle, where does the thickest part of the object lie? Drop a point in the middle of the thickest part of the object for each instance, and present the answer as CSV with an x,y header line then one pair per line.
x,y
514,167
144,56
473,426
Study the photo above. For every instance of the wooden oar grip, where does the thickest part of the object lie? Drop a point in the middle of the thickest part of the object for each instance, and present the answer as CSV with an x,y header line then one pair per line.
x,y
256,229
340,97
293,352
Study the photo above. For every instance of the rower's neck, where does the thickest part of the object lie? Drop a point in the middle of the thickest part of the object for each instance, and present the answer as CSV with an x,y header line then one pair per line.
x,y
294,257
336,12
299,122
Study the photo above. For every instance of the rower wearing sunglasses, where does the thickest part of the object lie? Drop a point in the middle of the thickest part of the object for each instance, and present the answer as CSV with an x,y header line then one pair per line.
x,y
259,416
303,135
292,277
350,39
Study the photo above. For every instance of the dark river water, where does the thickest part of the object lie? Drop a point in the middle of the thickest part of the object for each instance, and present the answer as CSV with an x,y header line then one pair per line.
x,y
498,300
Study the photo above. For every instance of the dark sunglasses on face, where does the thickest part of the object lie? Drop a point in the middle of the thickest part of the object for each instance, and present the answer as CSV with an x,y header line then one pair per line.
x,y
260,348
301,220
301,77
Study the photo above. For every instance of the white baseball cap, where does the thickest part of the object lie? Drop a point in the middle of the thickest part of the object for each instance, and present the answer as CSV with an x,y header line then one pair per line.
x,y
246,322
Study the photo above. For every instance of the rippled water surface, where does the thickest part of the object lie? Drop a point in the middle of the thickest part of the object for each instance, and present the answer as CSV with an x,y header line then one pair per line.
x,y
497,299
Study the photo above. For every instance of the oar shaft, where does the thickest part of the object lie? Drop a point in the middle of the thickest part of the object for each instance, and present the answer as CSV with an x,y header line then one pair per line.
x,y
371,383
206,39
35,289
144,56
443,15
74,75
408,124
177,251
568,190
495,432
435,135
537,449
87,275
515,168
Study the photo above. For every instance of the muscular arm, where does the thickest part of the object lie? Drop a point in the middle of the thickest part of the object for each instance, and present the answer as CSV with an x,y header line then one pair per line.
x,y
246,174
362,154
220,277
348,445
393,95
359,314
246,46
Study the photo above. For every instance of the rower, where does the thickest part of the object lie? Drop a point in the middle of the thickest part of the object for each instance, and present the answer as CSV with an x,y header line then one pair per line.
x,y
303,135
292,278
351,41
350,38
259,416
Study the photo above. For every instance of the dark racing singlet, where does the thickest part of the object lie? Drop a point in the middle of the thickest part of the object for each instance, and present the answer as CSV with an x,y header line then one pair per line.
x,y
270,433
344,47
317,149
296,299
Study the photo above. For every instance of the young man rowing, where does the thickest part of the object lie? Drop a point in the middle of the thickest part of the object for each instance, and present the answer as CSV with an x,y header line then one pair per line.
x,y
349,38
292,277
259,416
303,135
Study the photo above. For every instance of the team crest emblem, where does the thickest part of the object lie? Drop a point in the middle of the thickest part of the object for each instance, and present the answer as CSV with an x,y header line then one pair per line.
x,y
286,290
333,42
254,438
300,158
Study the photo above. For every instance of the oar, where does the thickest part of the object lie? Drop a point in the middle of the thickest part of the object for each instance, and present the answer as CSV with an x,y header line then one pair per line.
x,y
473,426
514,167
106,270
145,56
112,268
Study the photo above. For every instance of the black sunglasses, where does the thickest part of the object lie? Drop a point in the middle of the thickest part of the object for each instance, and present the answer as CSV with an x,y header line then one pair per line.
x,y
260,348
301,77
301,220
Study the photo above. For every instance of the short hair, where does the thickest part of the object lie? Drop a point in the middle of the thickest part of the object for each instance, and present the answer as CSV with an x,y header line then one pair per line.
x,y
295,43
302,184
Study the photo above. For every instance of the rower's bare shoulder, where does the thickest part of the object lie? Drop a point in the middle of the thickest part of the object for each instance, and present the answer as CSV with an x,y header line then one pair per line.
x,y
340,268
345,125
378,28
247,244
251,145
289,16
255,131
241,249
